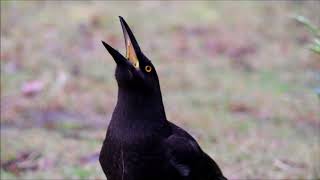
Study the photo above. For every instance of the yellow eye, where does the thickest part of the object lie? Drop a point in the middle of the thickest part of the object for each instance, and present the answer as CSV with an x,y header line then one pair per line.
x,y
148,68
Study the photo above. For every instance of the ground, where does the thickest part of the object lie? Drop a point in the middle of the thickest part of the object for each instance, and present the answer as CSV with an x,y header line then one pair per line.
x,y
238,76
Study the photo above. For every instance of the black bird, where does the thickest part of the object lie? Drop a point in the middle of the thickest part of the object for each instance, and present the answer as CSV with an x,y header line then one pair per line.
x,y
140,143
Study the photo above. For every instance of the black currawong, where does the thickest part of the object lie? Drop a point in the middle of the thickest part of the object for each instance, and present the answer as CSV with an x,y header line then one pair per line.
x,y
140,143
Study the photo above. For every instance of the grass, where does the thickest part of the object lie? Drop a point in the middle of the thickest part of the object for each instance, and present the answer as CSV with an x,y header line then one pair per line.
x,y
237,76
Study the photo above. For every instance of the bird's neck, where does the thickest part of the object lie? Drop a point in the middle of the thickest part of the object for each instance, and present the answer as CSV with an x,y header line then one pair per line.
x,y
136,105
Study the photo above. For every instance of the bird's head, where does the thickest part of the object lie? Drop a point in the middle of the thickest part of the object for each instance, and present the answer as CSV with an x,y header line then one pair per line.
x,y
134,72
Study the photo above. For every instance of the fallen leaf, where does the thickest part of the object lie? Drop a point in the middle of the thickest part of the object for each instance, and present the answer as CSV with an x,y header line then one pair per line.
x,y
32,88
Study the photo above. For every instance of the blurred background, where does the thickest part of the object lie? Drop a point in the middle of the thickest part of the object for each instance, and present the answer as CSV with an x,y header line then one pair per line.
x,y
239,76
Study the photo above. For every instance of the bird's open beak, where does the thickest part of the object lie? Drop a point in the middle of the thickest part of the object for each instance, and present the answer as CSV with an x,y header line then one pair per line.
x,y
132,48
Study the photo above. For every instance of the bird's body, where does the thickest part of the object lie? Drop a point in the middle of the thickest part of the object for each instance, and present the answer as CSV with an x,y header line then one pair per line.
x,y
141,144
167,153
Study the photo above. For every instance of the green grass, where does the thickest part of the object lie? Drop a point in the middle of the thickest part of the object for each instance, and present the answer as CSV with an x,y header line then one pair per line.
x,y
255,112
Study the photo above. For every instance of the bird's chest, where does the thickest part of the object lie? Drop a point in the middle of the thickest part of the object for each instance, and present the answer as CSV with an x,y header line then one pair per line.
x,y
133,152
134,136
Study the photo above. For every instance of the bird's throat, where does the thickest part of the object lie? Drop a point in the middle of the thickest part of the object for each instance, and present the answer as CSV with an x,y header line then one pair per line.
x,y
140,106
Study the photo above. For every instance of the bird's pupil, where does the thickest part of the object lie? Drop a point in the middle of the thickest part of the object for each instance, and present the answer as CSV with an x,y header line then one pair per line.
x,y
148,68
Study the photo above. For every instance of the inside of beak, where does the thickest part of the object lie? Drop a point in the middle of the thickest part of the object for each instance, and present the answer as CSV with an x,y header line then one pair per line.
x,y
130,53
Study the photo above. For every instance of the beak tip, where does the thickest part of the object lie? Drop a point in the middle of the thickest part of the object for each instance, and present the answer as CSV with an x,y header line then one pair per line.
x,y
121,18
105,44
